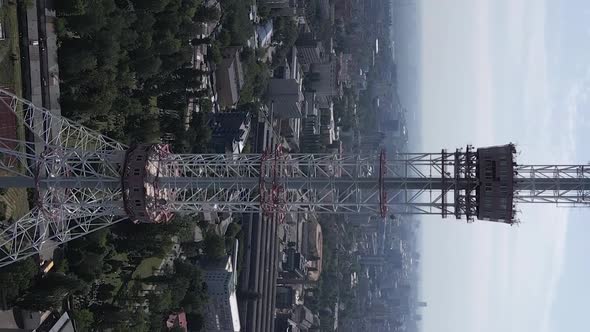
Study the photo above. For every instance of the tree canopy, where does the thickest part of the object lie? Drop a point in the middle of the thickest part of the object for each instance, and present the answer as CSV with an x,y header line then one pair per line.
x,y
16,278
114,54
214,246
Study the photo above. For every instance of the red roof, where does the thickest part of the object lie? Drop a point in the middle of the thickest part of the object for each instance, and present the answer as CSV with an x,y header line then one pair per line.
x,y
176,319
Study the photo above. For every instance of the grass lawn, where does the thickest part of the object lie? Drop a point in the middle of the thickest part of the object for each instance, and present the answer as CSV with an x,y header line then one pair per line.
x,y
10,77
10,71
147,267
114,278
144,269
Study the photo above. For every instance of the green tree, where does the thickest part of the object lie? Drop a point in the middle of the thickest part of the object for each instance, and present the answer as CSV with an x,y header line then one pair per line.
x,y
79,61
236,20
207,14
72,7
186,269
159,279
105,292
90,267
94,18
16,278
195,321
214,246
84,319
49,292
215,53
168,45
264,12
225,38
285,31
206,105
109,316
191,249
232,230
200,41
150,5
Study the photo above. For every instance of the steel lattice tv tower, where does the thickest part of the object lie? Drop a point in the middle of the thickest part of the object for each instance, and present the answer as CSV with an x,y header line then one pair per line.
x,y
84,181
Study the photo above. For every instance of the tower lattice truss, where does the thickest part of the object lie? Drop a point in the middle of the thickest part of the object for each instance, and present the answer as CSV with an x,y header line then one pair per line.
x,y
81,181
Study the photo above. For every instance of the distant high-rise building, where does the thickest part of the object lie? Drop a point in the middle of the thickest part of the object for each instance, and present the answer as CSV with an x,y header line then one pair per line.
x,y
309,49
372,142
310,139
286,97
221,311
324,80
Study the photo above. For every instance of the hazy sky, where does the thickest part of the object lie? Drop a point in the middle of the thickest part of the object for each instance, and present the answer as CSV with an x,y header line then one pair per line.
x,y
493,72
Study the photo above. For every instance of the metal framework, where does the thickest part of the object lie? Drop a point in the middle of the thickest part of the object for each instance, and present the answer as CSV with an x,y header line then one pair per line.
x,y
84,181
566,185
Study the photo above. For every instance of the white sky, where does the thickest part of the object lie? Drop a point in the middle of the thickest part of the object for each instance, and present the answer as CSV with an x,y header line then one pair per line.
x,y
493,72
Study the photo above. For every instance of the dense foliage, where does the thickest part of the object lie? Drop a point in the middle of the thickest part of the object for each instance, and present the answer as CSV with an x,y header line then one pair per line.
x,y
15,279
123,64
116,56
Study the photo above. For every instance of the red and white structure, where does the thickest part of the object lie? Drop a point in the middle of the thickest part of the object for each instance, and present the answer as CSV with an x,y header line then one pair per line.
x,y
84,181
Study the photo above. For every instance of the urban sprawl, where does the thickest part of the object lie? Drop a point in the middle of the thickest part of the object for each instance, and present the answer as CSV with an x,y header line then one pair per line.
x,y
227,77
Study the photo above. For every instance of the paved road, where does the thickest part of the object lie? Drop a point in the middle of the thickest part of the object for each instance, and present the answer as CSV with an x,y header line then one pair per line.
x,y
48,55
260,266
37,59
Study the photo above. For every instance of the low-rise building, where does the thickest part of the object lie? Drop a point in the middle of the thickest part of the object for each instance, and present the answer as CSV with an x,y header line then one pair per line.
x,y
309,49
298,319
264,34
291,130
344,65
290,68
25,320
293,265
229,131
310,137
286,97
176,320
328,124
229,78
285,298
324,80
312,249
